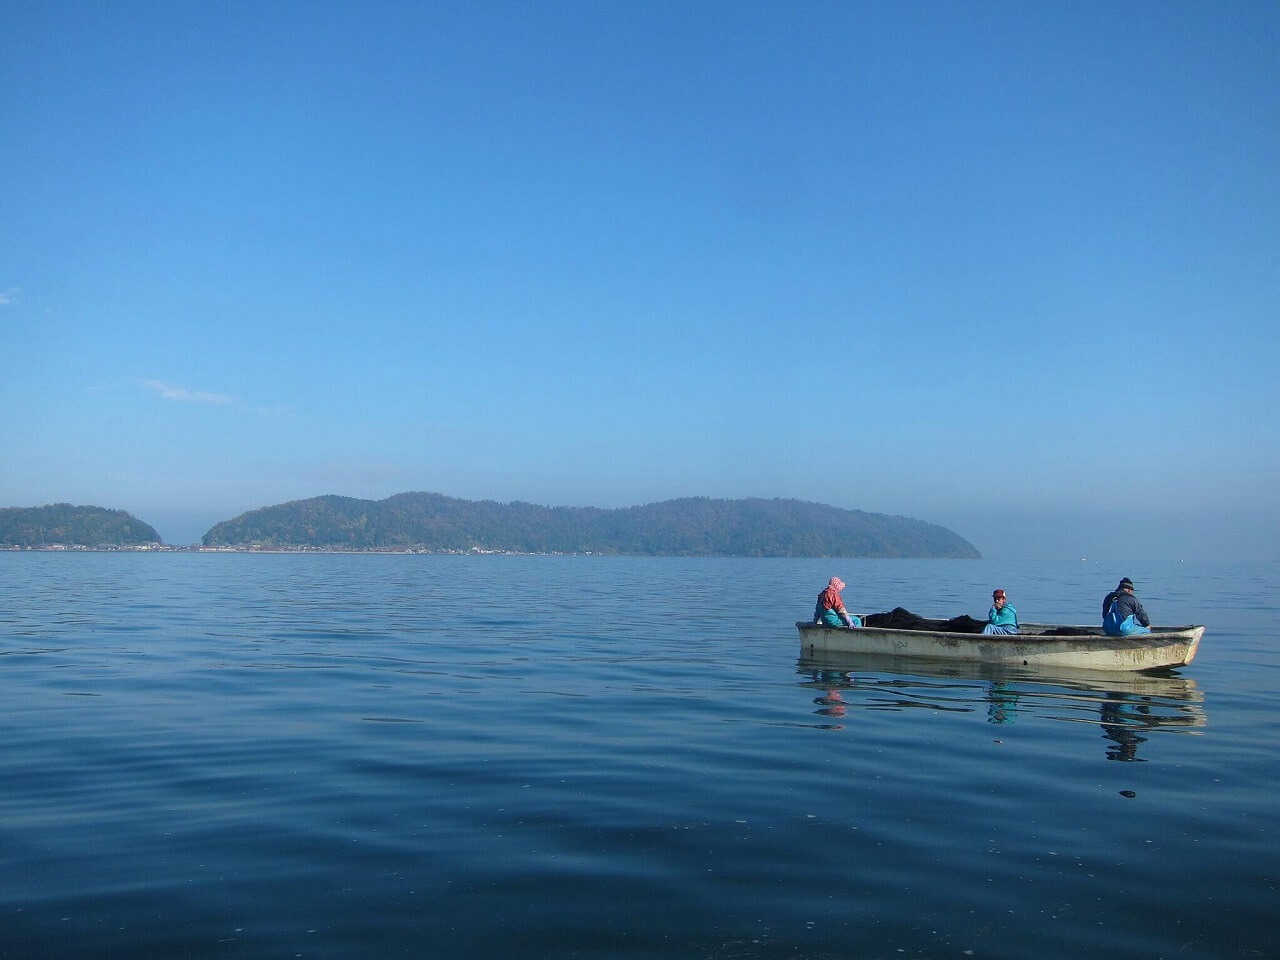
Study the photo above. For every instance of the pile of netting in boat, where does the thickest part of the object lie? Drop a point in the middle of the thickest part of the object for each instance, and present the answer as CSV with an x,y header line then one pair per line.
x,y
899,618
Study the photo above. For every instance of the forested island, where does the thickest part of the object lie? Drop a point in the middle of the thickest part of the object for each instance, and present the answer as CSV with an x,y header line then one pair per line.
x,y
694,526
63,524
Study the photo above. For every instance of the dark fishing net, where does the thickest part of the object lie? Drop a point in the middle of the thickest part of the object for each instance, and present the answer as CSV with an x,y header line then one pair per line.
x,y
899,618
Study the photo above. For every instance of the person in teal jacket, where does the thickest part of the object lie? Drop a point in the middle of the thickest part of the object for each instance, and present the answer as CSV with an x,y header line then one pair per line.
x,y
1003,618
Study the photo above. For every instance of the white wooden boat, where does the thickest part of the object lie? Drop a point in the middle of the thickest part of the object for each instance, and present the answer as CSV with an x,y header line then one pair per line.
x,y
1039,644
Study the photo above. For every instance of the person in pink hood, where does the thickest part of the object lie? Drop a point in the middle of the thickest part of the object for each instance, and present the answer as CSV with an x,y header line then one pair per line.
x,y
830,610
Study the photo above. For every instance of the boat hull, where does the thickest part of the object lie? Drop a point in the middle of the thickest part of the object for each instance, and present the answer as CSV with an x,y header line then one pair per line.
x,y
1089,649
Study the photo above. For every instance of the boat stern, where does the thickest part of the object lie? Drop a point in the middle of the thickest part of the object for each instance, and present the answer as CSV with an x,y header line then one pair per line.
x,y
1193,644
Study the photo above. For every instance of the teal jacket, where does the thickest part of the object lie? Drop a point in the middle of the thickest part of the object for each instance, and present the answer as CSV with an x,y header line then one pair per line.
x,y
1008,617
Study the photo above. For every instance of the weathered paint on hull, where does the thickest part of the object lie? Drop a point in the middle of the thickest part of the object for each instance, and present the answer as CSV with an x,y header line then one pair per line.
x,y
1089,650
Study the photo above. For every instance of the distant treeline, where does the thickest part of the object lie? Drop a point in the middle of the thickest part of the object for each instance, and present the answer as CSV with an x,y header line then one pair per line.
x,y
695,526
63,523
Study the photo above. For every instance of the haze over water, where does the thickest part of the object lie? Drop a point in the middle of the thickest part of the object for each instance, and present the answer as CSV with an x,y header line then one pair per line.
x,y
370,756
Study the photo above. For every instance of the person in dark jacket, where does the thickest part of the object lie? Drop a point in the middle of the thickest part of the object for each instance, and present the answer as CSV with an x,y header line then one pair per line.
x,y
1122,612
829,610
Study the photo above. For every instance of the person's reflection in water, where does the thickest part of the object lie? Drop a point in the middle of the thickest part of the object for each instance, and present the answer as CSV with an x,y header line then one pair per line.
x,y
1118,720
1002,702
833,704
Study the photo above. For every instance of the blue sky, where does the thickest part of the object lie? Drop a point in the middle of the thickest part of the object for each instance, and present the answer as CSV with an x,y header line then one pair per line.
x,y
1012,268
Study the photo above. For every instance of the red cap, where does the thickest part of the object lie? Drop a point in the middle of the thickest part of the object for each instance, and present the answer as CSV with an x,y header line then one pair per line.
x,y
997,595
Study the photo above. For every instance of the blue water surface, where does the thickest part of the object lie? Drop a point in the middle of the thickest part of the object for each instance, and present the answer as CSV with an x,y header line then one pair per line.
x,y
371,756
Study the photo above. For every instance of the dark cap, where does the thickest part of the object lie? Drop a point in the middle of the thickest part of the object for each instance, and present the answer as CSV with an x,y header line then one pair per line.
x,y
1125,584
997,594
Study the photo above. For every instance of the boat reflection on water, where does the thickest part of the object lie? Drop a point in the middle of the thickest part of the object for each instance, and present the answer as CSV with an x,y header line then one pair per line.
x,y
1127,706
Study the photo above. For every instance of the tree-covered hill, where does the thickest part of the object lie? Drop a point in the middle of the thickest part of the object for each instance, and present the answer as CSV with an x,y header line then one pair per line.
x,y
695,526
63,523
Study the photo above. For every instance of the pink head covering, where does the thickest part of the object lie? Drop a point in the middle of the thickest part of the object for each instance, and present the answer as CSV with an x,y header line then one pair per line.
x,y
836,582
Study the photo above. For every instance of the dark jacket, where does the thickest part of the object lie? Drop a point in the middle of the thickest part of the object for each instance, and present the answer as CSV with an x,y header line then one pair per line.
x,y
1125,604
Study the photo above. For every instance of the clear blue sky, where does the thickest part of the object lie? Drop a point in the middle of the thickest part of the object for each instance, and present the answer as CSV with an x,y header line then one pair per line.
x,y
1010,267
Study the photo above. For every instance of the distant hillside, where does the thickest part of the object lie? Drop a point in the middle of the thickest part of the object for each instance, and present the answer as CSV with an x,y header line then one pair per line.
x,y
689,527
73,526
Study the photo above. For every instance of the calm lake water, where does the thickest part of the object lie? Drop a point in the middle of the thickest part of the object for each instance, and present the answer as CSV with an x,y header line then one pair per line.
x,y
260,756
